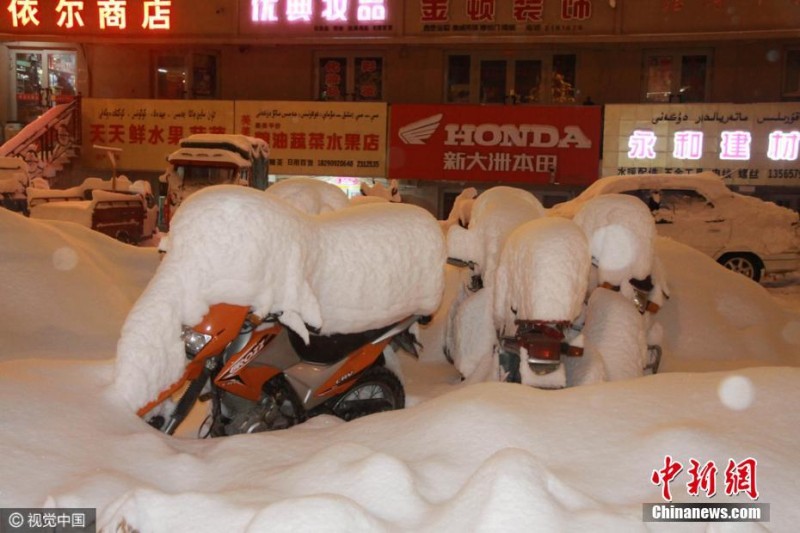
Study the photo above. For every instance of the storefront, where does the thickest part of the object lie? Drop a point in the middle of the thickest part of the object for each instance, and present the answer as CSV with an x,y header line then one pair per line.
x,y
549,150
514,59
755,147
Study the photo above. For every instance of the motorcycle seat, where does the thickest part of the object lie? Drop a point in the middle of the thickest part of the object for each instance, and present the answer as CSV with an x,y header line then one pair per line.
x,y
329,349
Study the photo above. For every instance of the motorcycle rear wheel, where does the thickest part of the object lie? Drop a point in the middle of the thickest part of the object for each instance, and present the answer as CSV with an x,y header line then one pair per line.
x,y
376,390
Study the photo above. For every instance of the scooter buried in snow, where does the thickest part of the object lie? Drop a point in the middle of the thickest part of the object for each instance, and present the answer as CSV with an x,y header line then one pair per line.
x,y
538,348
261,376
539,345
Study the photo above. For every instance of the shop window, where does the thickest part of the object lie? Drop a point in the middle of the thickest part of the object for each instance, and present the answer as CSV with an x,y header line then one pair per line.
x,y
676,77
345,76
187,75
493,82
483,79
458,90
204,76
527,81
563,81
791,75
41,79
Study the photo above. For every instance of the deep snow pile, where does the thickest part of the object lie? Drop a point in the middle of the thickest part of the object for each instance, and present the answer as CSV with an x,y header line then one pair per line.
x,y
310,195
58,278
495,213
543,273
341,272
729,323
378,190
620,230
461,211
488,457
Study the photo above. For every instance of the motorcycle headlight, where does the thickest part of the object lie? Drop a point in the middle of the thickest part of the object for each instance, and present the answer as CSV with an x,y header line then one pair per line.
x,y
193,341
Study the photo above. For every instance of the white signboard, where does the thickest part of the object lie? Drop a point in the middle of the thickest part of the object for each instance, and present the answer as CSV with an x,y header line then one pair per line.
x,y
748,144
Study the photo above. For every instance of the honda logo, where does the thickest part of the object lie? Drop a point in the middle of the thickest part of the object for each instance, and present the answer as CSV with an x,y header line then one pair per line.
x,y
420,131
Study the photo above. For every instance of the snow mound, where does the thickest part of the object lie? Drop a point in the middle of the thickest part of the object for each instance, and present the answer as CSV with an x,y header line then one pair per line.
x,y
358,200
620,230
471,332
375,264
495,214
341,272
461,211
614,333
717,319
390,194
310,195
62,276
489,457
543,273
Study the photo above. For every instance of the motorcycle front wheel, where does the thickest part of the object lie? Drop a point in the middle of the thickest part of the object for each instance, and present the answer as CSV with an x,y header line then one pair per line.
x,y
377,389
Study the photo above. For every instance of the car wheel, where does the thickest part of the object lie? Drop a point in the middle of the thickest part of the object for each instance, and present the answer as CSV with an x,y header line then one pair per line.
x,y
746,264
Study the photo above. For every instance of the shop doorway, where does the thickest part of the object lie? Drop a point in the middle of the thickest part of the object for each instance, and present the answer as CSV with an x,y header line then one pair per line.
x,y
42,78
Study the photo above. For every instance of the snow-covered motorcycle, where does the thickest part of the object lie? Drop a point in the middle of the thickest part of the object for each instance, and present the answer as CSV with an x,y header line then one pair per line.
x,y
260,375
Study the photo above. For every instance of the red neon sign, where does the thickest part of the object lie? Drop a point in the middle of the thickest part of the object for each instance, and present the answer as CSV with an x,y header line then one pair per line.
x,y
74,14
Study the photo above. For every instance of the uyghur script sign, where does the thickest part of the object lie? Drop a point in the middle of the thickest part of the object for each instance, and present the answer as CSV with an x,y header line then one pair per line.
x,y
319,138
754,144
147,131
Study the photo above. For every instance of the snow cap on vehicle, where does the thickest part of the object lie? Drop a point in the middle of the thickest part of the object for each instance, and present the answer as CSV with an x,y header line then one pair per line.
x,y
543,273
620,230
495,214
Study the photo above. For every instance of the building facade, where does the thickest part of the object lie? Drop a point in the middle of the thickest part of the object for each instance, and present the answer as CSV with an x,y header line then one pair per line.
x,y
421,52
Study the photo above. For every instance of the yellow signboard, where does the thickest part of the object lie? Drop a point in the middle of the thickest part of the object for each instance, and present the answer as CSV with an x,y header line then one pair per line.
x,y
319,138
146,131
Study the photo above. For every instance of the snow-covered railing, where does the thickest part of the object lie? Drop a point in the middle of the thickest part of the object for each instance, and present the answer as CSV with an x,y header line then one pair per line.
x,y
49,141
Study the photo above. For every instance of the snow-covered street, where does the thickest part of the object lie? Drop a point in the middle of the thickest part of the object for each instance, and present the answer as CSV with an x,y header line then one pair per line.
x,y
461,456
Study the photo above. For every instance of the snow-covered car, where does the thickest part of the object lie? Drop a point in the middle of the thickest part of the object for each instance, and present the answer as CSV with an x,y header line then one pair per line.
x,y
742,233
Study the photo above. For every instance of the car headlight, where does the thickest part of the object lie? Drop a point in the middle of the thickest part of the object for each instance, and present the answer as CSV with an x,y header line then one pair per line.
x,y
193,341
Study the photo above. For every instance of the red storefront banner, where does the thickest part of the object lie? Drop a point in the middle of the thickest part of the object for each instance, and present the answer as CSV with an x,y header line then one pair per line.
x,y
522,144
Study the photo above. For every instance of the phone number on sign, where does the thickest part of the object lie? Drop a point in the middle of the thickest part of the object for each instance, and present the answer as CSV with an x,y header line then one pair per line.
x,y
784,173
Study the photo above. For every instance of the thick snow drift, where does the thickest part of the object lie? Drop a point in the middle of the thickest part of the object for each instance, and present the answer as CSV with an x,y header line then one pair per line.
x,y
495,213
543,273
64,285
620,231
341,272
461,211
488,457
310,195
